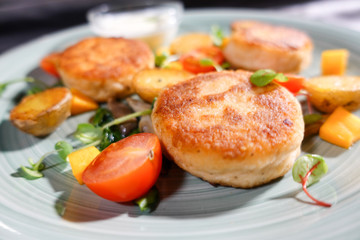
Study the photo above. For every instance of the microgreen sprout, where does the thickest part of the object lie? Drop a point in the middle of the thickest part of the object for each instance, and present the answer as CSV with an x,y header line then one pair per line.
x,y
149,202
217,35
100,132
210,62
308,170
161,59
62,148
4,85
263,77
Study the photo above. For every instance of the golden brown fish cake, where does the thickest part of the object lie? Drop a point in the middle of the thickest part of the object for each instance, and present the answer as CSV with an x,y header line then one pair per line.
x,y
221,128
190,41
103,68
255,45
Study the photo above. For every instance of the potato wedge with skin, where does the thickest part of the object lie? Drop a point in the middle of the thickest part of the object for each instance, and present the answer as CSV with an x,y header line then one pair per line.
x,y
41,113
188,42
148,83
327,93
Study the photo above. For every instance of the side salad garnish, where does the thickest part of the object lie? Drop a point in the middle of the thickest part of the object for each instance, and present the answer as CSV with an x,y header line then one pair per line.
x,y
62,148
308,170
4,85
263,77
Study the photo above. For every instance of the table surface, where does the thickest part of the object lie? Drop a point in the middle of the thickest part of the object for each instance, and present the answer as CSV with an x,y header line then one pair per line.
x,y
25,20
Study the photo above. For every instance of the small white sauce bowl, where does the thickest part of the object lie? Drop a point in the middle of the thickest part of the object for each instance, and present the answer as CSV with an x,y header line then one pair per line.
x,y
154,23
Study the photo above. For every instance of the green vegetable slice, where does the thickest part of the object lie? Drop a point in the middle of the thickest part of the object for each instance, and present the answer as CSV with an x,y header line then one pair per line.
x,y
263,77
303,165
149,202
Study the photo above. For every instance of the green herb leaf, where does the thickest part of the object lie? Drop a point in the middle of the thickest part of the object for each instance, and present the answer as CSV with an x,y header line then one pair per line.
x,y
63,149
217,35
263,77
153,103
312,118
88,133
149,202
101,117
34,90
206,62
4,85
281,77
109,136
126,118
30,173
161,59
304,164
225,65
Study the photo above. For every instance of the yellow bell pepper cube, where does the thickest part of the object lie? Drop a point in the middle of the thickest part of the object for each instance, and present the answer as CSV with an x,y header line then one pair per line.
x,y
80,159
334,61
341,128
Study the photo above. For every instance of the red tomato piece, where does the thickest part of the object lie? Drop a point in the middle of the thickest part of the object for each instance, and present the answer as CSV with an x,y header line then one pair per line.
x,y
48,64
127,169
192,61
294,84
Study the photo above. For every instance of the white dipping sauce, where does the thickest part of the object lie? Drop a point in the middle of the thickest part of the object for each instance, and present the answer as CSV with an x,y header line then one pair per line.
x,y
156,26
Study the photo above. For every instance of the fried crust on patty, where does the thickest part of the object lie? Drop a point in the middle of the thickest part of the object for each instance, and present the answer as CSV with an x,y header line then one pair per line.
x,y
223,129
256,45
103,68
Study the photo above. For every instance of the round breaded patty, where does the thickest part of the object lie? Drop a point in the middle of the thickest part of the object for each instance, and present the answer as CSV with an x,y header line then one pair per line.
x,y
255,45
103,68
221,128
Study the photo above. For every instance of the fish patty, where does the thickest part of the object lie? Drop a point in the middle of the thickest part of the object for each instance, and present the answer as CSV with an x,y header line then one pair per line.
x,y
256,45
223,129
103,68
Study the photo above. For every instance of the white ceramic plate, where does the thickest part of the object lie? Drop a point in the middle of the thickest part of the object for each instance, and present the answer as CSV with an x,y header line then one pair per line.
x,y
56,207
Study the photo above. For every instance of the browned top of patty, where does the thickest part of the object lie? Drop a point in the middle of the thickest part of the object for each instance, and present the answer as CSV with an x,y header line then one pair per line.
x,y
258,33
225,113
100,58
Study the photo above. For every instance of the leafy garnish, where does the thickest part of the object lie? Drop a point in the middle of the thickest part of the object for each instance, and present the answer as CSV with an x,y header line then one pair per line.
x,y
88,133
62,148
101,117
101,131
263,77
4,85
160,60
312,118
149,202
210,62
109,136
217,35
308,170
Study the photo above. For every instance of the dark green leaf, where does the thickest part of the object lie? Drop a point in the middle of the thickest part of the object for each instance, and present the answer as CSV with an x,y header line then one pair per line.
x,y
101,117
110,135
225,65
149,202
312,118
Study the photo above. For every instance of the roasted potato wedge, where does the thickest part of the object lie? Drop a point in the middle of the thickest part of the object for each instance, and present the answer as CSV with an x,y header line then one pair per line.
x,y
148,83
186,43
41,113
328,92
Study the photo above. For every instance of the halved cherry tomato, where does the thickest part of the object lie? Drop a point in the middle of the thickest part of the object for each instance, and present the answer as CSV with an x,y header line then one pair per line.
x,y
127,169
294,84
48,64
192,61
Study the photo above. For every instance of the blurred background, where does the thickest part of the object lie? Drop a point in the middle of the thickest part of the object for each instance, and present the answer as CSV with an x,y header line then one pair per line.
x,y
24,20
